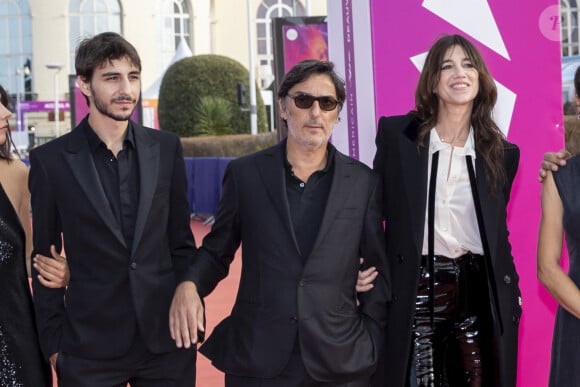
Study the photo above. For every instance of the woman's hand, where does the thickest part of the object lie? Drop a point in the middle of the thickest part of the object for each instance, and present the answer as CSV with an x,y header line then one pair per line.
x,y
52,272
552,161
365,279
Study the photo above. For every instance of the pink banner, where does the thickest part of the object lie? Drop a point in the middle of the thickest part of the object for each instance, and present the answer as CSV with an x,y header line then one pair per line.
x,y
304,41
520,45
349,81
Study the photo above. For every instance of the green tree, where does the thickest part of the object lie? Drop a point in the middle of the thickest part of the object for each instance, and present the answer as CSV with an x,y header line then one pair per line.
x,y
184,107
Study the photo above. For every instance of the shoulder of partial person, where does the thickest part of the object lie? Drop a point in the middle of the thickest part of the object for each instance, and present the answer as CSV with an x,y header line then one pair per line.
x,y
572,162
20,168
569,172
15,170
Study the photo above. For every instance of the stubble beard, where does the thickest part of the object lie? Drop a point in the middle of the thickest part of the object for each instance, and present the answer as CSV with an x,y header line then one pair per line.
x,y
103,109
312,143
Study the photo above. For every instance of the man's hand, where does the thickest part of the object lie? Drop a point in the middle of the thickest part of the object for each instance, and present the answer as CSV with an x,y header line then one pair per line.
x,y
552,161
365,279
52,272
186,315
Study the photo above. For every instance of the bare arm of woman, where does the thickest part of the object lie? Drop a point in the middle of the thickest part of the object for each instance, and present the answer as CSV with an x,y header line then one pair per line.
x,y
550,273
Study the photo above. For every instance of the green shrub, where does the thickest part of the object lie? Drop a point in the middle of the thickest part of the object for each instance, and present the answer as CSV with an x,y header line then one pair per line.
x,y
189,80
213,115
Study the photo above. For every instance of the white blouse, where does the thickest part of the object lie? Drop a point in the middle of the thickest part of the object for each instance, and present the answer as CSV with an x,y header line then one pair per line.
x,y
456,229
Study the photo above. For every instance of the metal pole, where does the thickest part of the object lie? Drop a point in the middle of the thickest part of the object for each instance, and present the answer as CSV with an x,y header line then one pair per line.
x,y
57,68
307,7
253,113
18,101
56,116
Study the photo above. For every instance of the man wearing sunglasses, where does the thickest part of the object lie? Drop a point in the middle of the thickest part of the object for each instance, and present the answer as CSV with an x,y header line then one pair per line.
x,y
304,213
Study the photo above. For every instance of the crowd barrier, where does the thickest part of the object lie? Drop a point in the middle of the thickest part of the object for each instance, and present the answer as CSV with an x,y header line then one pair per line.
x,y
204,183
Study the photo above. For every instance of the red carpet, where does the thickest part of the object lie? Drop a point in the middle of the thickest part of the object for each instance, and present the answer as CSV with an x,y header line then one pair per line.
x,y
218,306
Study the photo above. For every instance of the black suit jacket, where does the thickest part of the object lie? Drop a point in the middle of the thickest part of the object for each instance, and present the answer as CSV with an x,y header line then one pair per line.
x,y
112,291
279,296
402,165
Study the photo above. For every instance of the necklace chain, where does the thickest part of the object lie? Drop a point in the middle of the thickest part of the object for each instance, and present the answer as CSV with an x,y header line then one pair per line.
x,y
458,136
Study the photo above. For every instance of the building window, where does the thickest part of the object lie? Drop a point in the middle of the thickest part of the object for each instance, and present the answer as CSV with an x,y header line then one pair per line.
x,y
91,17
174,23
15,48
569,27
267,10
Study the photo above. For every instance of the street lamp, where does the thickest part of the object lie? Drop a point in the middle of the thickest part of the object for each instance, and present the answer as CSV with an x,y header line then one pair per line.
x,y
252,81
57,67
19,136
21,73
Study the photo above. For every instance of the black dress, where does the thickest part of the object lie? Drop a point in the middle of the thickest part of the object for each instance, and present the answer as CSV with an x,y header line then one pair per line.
x,y
566,343
21,362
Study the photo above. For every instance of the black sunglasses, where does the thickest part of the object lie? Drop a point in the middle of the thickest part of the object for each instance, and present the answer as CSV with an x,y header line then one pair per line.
x,y
305,101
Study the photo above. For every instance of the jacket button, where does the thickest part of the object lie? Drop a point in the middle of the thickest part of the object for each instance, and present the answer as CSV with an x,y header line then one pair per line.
x,y
293,319
133,265
395,299
507,279
301,283
400,258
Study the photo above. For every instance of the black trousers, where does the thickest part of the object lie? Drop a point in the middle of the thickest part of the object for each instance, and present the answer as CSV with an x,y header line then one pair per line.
x,y
447,330
293,375
138,367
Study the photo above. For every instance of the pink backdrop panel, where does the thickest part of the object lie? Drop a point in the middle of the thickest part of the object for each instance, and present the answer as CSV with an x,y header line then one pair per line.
x,y
529,66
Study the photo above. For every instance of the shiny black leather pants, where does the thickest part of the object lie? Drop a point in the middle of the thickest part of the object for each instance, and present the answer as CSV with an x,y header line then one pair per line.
x,y
448,325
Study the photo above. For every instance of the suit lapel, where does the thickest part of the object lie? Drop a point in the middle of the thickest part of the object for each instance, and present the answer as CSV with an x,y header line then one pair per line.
x,y
274,180
79,157
340,189
148,156
414,164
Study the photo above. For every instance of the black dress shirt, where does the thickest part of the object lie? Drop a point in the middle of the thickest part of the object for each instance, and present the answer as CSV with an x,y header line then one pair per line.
x,y
307,202
119,177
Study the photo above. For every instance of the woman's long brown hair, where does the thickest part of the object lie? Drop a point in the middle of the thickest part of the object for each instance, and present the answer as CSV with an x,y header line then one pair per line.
x,y
488,136
5,148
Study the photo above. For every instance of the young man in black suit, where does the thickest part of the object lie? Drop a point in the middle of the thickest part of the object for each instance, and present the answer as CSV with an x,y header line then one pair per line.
x,y
112,193
303,213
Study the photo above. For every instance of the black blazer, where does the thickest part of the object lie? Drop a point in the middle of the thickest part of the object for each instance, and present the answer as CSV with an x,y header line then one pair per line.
x,y
279,296
112,291
402,165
